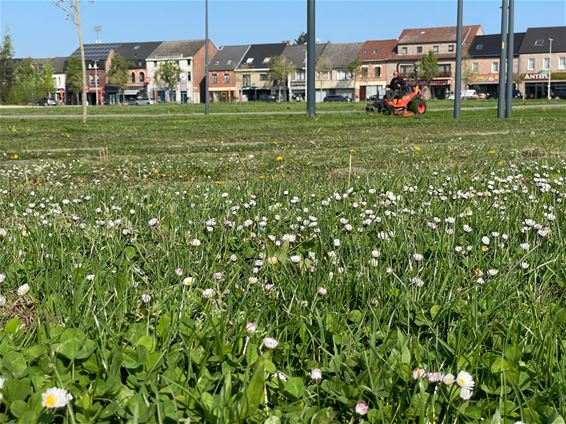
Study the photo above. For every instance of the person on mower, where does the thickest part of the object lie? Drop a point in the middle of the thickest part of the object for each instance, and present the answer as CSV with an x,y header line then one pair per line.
x,y
397,86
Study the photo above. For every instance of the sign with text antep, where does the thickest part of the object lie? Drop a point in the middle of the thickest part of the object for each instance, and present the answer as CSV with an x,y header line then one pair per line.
x,y
543,75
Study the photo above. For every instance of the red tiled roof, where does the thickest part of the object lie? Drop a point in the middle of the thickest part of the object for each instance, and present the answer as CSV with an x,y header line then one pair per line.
x,y
377,50
437,34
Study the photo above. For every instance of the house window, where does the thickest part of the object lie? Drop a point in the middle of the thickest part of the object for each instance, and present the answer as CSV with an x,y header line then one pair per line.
x,y
479,47
531,64
364,72
300,75
546,63
133,77
341,75
494,67
444,70
263,77
404,50
325,76
247,80
155,63
451,48
142,77
435,49
189,76
539,42
562,63
374,51
215,78
419,49
266,60
406,70
226,78
250,60
140,63
377,71
475,67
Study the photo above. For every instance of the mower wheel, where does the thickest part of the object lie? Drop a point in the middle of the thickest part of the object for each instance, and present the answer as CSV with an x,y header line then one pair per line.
x,y
418,107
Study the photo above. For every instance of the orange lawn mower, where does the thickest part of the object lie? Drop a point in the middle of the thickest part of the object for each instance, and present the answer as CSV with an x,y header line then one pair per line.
x,y
409,103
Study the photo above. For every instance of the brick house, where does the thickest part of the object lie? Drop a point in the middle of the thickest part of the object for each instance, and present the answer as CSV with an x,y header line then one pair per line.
x,y
136,55
222,84
374,55
190,56
416,42
536,62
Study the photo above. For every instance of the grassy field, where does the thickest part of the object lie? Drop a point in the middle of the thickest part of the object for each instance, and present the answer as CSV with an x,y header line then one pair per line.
x,y
245,107
275,269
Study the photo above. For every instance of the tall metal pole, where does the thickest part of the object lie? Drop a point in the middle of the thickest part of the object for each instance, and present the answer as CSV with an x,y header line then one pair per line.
x,y
510,47
206,99
311,58
549,66
458,82
501,88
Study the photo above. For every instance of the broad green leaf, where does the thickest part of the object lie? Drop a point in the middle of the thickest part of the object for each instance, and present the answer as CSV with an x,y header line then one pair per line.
x,y
72,340
294,388
18,407
15,363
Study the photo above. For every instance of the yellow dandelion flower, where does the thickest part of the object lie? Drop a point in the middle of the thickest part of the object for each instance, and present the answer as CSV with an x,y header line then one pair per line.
x,y
218,182
279,158
15,156
418,148
263,177
491,152
484,248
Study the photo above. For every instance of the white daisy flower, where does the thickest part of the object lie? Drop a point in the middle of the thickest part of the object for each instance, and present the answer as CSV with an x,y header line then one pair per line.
x,y
270,343
55,398
465,380
23,289
316,374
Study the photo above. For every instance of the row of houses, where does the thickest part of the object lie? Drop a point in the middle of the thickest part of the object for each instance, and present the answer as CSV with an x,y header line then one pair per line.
x,y
356,70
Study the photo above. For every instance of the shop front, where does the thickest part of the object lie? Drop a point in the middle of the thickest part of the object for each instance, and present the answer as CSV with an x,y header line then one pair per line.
x,y
440,89
536,85
487,84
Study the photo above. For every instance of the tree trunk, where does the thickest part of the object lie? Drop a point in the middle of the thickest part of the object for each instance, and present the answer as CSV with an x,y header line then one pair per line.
x,y
83,63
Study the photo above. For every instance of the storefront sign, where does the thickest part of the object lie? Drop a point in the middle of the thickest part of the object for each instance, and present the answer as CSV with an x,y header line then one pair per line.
x,y
543,75
440,82
484,78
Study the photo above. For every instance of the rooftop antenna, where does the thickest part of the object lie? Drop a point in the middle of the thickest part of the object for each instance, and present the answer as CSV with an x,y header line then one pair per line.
x,y
97,29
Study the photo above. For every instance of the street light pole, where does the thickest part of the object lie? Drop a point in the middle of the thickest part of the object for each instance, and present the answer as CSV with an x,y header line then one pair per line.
x,y
96,80
510,48
549,66
502,56
458,77
311,58
206,100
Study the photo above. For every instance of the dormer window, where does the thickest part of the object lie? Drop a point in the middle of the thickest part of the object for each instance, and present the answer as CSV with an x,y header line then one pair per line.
x,y
250,60
539,43
479,47
266,60
404,50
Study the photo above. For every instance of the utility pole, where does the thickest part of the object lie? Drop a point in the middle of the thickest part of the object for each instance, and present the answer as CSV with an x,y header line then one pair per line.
x,y
311,58
549,66
510,47
458,82
96,81
206,100
501,88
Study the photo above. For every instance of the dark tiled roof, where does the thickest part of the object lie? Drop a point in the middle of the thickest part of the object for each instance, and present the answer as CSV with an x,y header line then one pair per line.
x,y
96,51
340,56
377,50
257,55
536,40
227,58
59,65
437,34
490,45
297,54
135,52
182,48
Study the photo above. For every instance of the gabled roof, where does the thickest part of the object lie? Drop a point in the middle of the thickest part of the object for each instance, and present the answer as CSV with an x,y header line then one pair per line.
x,y
340,56
258,55
98,51
181,48
297,54
536,40
135,52
227,58
373,50
59,65
438,34
490,45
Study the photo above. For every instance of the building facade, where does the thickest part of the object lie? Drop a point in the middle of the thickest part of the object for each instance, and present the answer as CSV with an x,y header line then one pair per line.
x,y
222,80
297,55
335,75
189,55
374,56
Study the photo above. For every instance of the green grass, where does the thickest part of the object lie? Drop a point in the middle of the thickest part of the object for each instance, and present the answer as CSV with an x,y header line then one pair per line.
x,y
243,107
97,216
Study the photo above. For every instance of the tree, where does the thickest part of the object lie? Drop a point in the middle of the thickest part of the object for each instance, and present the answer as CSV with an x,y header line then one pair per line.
x,y
170,74
6,67
323,66
280,68
428,67
301,39
46,83
74,76
32,82
73,11
118,73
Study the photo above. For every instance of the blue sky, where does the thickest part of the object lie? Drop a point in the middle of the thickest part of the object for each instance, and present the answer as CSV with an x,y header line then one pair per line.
x,y
39,29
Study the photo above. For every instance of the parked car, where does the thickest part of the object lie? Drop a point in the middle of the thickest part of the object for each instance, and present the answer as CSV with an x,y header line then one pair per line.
x,y
466,95
559,93
337,98
141,102
47,102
